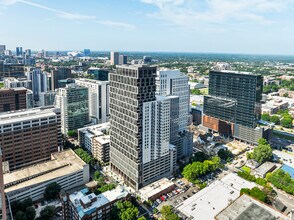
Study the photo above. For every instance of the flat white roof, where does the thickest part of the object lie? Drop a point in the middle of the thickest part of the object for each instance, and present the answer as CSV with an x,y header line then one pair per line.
x,y
62,163
24,115
246,207
156,187
208,202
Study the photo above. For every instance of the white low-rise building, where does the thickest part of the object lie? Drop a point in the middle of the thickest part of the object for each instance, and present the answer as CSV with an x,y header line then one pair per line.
x,y
65,168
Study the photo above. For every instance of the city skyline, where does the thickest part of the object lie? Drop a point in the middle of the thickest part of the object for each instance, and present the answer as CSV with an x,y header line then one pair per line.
x,y
246,27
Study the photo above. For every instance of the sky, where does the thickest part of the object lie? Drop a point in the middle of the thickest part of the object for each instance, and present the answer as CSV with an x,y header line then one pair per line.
x,y
206,26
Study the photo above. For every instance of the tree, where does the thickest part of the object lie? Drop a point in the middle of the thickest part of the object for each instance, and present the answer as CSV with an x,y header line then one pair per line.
x,y
199,156
275,119
52,191
263,152
282,180
20,216
265,117
167,213
124,211
225,154
254,192
287,122
47,213
96,175
142,218
72,133
30,213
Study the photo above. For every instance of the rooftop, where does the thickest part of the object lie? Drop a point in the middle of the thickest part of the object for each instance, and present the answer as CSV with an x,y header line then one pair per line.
x,y
156,187
22,115
95,129
61,163
265,168
93,201
246,207
211,200
235,72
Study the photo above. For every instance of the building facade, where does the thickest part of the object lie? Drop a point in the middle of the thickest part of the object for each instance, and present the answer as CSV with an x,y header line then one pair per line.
x,y
11,82
174,84
136,122
84,205
123,59
98,99
233,106
98,73
13,99
29,136
114,58
64,168
95,139
74,105
39,82
59,73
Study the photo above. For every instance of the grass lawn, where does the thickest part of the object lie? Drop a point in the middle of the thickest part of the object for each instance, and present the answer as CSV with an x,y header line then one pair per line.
x,y
246,169
204,91
1,85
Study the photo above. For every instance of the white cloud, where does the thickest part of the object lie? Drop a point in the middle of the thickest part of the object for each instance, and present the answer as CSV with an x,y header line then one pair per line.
x,y
116,24
68,15
192,14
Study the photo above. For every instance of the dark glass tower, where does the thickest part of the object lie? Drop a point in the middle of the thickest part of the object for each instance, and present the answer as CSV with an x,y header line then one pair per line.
x,y
232,106
130,87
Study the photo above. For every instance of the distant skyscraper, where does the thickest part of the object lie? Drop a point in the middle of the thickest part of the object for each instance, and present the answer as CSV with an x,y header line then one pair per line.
x,y
74,104
2,49
114,58
39,82
59,73
99,73
19,51
98,99
140,124
147,59
87,52
28,52
7,53
123,59
232,106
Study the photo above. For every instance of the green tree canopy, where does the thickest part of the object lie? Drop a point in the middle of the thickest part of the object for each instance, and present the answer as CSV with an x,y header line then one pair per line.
x,y
263,152
124,211
265,117
225,154
168,214
275,119
52,191
254,192
47,213
30,213
72,133
20,216
287,121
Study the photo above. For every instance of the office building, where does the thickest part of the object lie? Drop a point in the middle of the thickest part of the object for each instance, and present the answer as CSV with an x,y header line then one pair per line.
x,y
30,99
47,98
29,136
140,151
2,193
95,139
114,58
174,84
39,82
19,51
28,52
13,99
2,49
147,59
232,106
16,70
84,205
87,52
123,59
65,168
98,73
7,53
60,73
98,99
74,104
11,82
